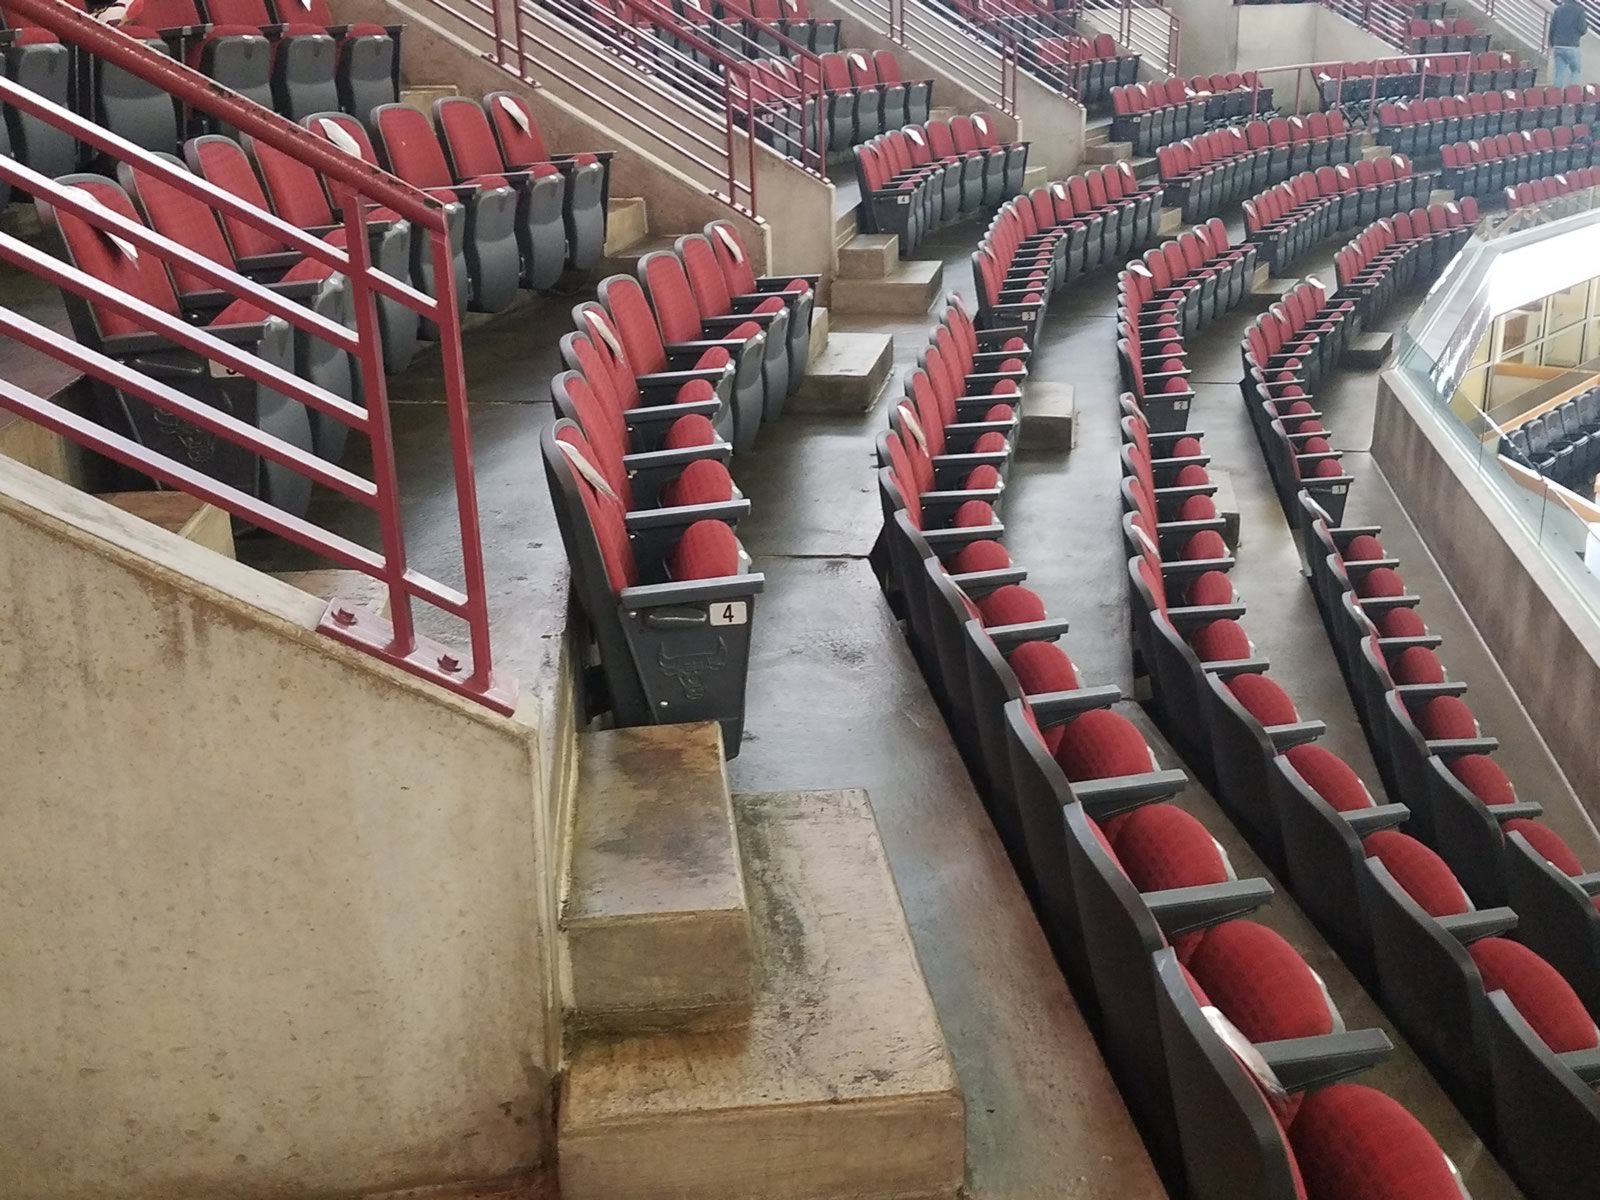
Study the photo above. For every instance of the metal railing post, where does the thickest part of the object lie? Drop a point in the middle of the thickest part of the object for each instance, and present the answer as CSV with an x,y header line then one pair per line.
x,y
380,434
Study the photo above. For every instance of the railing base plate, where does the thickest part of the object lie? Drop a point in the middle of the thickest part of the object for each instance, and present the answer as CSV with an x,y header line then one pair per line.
x,y
361,627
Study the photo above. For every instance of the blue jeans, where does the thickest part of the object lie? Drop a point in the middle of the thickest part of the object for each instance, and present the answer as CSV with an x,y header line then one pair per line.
x,y
1568,65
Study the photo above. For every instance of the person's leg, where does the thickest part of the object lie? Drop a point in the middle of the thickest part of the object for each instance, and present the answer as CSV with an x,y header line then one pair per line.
x,y
1568,65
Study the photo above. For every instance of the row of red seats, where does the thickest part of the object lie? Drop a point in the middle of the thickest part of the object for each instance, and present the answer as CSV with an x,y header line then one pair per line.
x,y
293,56
1446,36
1500,1019
1040,242
1359,83
1549,188
1164,297
1288,220
1487,167
867,93
667,375
1090,64
1392,253
1210,172
1153,114
916,179
1419,126
1079,802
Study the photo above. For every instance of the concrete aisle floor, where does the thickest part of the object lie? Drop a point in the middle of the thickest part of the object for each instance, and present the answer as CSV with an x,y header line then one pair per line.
x,y
816,513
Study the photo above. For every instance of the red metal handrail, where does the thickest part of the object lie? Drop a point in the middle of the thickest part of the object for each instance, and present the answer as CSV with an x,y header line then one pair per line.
x,y
357,188
1145,27
1339,72
993,80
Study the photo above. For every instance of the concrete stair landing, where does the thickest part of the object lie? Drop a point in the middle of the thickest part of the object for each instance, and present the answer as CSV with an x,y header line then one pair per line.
x,y
840,1085
907,289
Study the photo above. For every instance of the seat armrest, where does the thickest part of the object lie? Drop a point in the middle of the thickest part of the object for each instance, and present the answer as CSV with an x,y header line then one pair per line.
x,y
1184,910
1054,708
1008,636
1468,927
691,591
687,514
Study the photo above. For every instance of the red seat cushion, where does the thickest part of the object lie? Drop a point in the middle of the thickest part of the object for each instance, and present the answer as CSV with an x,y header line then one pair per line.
x,y
1197,508
1160,846
1263,699
1483,777
972,514
1220,641
1446,717
1043,667
985,555
1355,1141
1421,873
1213,587
1363,547
705,481
1207,543
1102,744
1418,664
1380,581
1261,983
707,550
1011,605
1547,842
1330,777
1545,1000
690,431
1192,475
1401,622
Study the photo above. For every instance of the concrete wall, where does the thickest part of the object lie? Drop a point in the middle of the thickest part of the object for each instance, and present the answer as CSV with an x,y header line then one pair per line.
x,y
1218,35
1208,35
275,914
1544,638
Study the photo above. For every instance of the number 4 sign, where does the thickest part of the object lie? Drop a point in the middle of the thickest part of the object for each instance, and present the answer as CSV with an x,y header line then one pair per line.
x,y
735,612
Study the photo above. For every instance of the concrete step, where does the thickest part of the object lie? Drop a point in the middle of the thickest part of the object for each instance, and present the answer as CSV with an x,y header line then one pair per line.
x,y
1107,152
421,96
1048,417
627,223
942,113
329,584
178,512
845,227
1370,351
1168,222
906,291
841,1084
1266,290
1097,134
869,256
1145,168
655,917
1035,177
847,375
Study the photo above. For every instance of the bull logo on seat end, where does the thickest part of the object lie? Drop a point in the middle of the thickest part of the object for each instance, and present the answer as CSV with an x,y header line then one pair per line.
x,y
690,670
